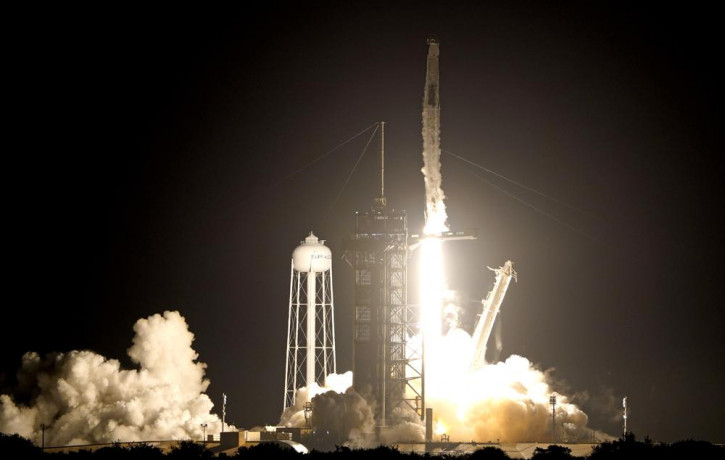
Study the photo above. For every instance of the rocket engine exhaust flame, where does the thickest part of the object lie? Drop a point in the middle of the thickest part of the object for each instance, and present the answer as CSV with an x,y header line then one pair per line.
x,y
473,400
85,398
431,254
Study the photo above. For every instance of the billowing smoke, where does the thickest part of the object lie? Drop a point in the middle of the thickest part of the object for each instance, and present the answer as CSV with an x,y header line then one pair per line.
x,y
82,397
346,414
502,401
507,402
348,418
335,408
435,208
404,425
295,416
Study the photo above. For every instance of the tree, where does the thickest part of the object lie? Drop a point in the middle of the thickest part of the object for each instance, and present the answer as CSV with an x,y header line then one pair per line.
x,y
114,452
489,453
145,451
701,450
266,450
16,446
189,449
553,452
625,448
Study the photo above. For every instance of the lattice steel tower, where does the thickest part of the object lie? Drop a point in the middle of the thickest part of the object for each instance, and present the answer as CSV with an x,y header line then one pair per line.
x,y
311,325
387,367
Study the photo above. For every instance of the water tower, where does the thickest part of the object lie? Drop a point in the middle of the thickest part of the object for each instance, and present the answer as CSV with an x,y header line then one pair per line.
x,y
311,324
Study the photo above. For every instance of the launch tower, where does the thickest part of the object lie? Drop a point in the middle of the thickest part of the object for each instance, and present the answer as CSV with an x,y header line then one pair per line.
x,y
386,366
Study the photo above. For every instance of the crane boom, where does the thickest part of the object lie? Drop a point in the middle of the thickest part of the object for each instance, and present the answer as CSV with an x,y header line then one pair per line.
x,y
491,307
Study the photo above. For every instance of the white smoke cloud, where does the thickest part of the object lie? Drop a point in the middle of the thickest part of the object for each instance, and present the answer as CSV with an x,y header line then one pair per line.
x,y
506,401
294,416
404,425
83,397
349,417
336,408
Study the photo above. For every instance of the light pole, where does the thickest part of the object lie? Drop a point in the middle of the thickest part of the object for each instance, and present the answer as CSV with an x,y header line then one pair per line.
x,y
552,401
224,410
42,438
203,426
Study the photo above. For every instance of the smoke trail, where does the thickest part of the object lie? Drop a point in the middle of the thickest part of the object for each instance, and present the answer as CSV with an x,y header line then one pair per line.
x,y
506,401
83,397
435,208
432,281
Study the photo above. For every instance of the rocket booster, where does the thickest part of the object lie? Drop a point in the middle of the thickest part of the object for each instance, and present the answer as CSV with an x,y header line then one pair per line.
x,y
430,93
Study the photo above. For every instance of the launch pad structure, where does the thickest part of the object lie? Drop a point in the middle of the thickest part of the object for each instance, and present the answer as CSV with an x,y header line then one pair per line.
x,y
387,367
388,364
388,337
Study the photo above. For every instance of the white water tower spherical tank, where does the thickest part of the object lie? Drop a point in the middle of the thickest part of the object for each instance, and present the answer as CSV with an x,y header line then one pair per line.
x,y
312,256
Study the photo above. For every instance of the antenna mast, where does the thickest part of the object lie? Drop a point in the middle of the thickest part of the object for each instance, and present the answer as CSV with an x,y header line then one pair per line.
x,y
380,202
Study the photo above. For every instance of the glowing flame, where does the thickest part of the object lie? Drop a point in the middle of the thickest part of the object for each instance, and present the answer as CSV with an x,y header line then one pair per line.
x,y
435,221
440,428
431,289
508,401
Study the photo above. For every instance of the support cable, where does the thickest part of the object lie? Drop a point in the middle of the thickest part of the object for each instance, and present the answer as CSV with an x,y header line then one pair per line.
x,y
519,184
297,171
353,168
540,211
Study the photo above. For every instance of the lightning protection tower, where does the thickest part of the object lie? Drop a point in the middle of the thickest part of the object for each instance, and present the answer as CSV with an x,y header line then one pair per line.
x,y
311,325
387,367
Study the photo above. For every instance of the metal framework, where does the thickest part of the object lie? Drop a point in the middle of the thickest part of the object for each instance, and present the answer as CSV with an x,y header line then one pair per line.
x,y
321,348
491,307
387,366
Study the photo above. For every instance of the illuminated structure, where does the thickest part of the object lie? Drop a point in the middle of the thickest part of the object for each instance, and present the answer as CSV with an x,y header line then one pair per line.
x,y
311,326
491,307
386,365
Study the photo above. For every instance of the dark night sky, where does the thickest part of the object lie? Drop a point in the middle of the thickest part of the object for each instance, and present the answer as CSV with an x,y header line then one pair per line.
x,y
144,152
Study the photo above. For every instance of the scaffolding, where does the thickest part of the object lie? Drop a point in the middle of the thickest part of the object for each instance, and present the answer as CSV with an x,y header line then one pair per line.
x,y
387,366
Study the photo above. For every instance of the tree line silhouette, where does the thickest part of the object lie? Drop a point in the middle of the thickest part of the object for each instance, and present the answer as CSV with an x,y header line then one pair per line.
x,y
627,447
